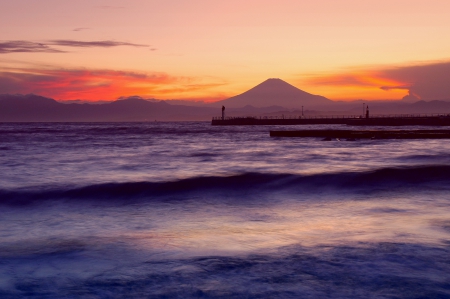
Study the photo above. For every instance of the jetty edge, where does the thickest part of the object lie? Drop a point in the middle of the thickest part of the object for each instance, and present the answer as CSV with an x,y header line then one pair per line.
x,y
376,120
365,134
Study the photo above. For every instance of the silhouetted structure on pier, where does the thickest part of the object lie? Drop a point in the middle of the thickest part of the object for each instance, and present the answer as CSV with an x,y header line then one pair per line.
x,y
377,120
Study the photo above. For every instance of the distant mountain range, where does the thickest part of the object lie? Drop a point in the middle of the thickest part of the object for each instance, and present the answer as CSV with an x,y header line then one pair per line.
x,y
36,108
272,97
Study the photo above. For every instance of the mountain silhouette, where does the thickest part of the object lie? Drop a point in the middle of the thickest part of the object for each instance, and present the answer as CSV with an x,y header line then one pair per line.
x,y
35,108
275,92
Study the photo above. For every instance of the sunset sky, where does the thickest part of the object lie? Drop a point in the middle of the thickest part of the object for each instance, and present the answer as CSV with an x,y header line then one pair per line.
x,y
211,50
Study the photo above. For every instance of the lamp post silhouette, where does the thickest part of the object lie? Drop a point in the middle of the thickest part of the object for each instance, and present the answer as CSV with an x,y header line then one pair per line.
x,y
223,112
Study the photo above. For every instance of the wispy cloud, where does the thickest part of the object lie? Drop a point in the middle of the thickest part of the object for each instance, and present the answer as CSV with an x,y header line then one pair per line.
x,y
21,46
81,29
51,46
428,81
70,84
83,44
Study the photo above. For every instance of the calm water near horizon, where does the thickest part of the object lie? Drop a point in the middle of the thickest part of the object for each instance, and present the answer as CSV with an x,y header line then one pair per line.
x,y
188,210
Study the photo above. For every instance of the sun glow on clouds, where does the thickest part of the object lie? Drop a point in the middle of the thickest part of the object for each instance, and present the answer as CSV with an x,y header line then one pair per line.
x,y
368,85
93,85
426,81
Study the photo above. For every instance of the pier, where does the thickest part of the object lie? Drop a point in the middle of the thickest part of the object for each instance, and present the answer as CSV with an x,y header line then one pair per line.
x,y
365,134
352,120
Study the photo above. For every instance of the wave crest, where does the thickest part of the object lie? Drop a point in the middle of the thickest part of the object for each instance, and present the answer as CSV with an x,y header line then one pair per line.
x,y
380,179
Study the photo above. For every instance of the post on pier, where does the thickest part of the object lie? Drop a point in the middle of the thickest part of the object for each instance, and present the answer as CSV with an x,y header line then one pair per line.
x,y
223,112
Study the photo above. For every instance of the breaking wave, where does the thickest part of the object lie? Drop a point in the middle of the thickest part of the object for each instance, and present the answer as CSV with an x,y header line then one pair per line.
x,y
369,181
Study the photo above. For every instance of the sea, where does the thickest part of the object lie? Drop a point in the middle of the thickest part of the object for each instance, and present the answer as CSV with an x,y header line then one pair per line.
x,y
190,210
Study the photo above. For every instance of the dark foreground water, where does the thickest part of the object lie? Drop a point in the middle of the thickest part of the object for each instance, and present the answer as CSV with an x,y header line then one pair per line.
x,y
186,210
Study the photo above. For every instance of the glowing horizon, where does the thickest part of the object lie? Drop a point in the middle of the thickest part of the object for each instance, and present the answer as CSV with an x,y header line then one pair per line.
x,y
104,50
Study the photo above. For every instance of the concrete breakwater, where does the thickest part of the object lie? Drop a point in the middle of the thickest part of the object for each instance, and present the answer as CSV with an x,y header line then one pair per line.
x,y
365,134
381,120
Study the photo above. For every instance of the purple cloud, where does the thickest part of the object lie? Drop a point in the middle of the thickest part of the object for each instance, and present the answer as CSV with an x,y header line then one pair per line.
x,y
81,29
102,44
428,81
20,46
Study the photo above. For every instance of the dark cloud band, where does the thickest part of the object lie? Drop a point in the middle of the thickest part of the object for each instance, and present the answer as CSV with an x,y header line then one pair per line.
x,y
82,44
426,81
21,46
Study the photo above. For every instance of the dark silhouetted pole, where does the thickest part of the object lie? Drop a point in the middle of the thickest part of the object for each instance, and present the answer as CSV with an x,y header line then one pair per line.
x,y
367,111
223,112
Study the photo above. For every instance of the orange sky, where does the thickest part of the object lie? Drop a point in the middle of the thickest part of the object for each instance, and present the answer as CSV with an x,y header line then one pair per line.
x,y
210,50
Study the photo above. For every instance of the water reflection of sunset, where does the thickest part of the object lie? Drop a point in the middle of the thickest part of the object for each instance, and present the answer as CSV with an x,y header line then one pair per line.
x,y
243,229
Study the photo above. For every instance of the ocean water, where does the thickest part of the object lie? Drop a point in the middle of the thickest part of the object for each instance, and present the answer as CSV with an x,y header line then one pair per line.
x,y
187,210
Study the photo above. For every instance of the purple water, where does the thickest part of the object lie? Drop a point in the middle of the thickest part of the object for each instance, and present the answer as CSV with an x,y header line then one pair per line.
x,y
187,210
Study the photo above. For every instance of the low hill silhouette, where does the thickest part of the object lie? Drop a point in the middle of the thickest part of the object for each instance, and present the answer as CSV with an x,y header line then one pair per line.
x,y
275,92
34,108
